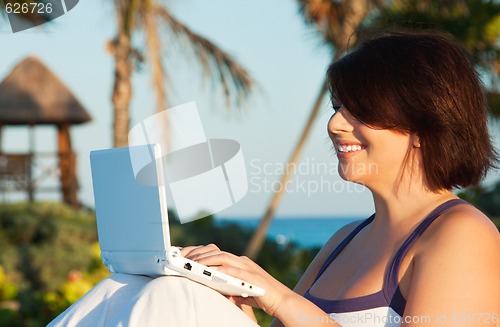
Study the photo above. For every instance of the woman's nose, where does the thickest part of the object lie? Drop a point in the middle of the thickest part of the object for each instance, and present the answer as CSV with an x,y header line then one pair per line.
x,y
338,122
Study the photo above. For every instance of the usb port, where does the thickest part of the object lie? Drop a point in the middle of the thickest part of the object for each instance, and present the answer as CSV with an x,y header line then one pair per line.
x,y
208,273
188,266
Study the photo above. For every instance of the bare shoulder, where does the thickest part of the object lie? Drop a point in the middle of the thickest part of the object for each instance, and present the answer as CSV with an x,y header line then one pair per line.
x,y
462,223
456,265
461,232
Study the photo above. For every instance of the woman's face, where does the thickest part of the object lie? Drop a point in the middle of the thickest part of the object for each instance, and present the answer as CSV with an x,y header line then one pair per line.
x,y
368,156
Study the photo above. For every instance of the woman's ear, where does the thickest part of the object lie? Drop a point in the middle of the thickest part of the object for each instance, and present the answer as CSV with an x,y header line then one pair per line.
x,y
415,140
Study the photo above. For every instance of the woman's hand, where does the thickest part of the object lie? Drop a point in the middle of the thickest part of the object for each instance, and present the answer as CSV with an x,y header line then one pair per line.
x,y
243,268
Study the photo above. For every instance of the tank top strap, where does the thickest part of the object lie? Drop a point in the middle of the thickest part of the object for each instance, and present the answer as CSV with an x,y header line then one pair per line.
x,y
391,281
342,245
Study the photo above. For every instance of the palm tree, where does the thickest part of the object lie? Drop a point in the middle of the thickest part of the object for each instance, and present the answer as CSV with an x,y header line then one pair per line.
x,y
148,16
337,23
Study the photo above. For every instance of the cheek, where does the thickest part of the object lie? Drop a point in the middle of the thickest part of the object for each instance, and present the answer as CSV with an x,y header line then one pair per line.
x,y
390,152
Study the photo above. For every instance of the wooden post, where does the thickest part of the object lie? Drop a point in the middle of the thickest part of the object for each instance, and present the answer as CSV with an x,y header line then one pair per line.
x,y
30,187
67,164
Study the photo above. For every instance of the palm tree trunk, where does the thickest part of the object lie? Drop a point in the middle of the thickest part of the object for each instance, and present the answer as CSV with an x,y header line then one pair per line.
x,y
259,235
155,51
157,69
122,90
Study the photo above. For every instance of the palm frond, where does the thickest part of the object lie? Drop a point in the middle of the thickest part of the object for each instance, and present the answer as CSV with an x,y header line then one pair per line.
x,y
216,63
337,21
324,15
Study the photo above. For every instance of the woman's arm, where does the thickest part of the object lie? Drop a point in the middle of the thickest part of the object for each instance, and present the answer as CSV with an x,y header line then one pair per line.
x,y
455,278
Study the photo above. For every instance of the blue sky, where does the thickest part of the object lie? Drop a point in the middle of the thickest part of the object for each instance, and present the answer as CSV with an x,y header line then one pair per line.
x,y
267,37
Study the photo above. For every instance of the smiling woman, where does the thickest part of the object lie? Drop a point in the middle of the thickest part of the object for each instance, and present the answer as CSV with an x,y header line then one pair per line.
x,y
411,106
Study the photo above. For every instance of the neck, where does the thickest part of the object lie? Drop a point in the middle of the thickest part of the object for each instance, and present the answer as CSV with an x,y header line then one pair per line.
x,y
395,209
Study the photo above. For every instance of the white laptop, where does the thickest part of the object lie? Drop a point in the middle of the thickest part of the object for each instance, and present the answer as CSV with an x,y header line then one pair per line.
x,y
133,228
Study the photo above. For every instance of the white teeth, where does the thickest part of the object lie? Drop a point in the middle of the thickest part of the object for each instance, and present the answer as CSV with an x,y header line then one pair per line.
x,y
349,148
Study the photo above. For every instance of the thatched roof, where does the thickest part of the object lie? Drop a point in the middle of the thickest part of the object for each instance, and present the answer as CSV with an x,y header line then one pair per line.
x,y
31,95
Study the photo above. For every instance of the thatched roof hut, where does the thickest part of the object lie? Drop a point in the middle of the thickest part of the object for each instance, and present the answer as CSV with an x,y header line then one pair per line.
x,y
32,95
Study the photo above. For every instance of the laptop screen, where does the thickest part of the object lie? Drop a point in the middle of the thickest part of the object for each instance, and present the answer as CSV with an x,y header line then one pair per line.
x,y
130,216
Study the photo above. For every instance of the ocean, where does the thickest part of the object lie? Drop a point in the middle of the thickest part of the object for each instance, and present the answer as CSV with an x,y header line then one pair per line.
x,y
305,232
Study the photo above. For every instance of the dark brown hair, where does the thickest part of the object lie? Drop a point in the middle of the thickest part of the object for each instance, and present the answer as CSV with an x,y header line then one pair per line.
x,y
421,82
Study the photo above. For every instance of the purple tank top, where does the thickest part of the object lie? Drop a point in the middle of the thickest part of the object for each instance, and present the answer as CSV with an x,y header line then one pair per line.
x,y
390,295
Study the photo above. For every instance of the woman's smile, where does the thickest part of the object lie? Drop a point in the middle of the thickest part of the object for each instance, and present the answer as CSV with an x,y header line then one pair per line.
x,y
348,150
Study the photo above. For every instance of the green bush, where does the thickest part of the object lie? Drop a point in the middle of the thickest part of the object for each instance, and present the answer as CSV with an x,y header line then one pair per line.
x,y
43,247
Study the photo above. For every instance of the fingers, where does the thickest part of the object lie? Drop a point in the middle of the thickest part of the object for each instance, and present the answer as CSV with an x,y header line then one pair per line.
x,y
192,251
186,250
220,258
211,256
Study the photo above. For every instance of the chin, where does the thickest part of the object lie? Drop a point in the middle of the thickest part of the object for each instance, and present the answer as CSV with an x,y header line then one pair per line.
x,y
350,178
353,178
